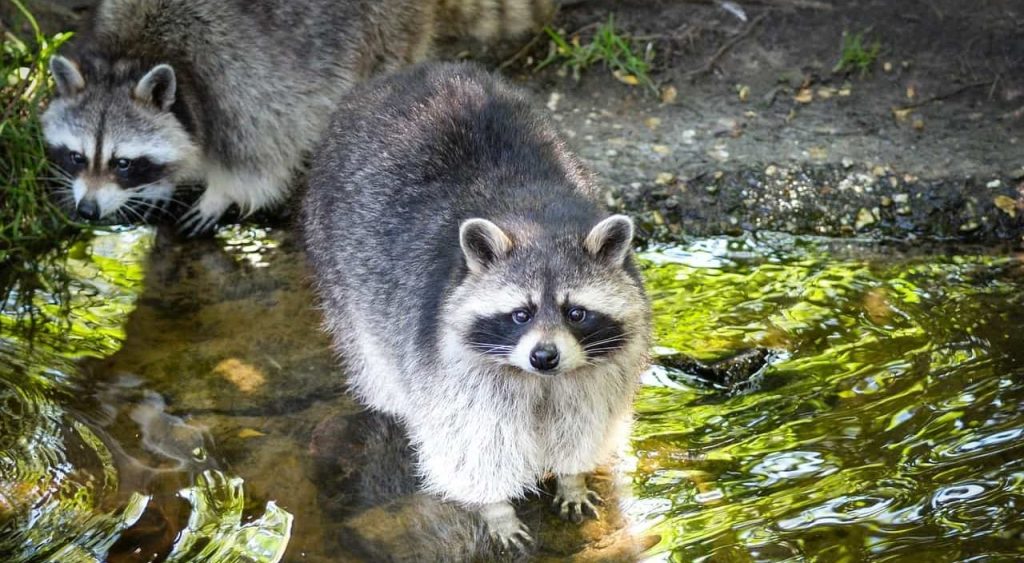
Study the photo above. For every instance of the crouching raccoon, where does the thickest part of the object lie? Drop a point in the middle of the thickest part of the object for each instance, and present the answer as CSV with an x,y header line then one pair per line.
x,y
475,288
230,94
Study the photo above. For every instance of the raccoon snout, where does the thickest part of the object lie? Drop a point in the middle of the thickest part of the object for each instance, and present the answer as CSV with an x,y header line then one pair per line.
x,y
88,209
544,357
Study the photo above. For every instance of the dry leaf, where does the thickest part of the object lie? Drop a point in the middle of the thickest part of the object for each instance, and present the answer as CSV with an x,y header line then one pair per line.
x,y
804,96
876,304
250,433
661,149
246,377
668,95
911,92
901,114
1007,204
652,123
743,91
626,78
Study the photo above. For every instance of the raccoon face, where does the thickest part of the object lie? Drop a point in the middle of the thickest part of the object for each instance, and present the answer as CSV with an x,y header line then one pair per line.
x,y
119,148
549,306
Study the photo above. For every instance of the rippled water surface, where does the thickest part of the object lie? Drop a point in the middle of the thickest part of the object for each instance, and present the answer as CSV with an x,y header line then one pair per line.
x,y
175,400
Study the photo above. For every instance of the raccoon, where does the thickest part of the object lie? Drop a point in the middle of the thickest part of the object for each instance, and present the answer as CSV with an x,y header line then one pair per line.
x,y
475,288
230,94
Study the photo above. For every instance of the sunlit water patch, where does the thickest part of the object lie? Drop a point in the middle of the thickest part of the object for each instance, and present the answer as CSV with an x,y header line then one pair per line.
x,y
891,428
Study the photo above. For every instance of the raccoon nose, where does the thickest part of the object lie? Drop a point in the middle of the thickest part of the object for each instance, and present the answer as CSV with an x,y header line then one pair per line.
x,y
88,209
544,357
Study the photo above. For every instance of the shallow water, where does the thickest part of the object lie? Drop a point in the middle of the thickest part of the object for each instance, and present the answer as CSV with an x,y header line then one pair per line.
x,y
176,399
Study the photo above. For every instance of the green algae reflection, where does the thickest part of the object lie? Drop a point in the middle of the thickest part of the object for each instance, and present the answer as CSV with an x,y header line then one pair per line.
x,y
891,427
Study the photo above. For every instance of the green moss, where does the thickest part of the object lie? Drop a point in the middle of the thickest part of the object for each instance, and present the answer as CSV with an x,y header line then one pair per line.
x,y
607,46
30,221
854,55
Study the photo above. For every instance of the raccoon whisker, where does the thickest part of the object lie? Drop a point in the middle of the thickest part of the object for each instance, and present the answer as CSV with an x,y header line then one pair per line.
x,y
605,341
125,209
599,334
148,206
602,349
63,179
141,187
488,349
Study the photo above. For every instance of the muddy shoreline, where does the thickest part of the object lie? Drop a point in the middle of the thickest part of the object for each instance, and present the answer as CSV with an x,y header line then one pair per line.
x,y
762,134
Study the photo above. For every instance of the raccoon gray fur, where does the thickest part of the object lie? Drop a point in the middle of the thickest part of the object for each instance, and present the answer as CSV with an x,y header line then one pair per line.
x,y
229,93
475,288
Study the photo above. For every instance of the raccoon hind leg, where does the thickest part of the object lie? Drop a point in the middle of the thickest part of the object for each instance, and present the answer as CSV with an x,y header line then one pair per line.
x,y
505,527
574,499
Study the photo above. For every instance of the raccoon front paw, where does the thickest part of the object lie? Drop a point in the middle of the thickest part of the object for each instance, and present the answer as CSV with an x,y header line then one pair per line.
x,y
574,500
505,527
195,222
203,216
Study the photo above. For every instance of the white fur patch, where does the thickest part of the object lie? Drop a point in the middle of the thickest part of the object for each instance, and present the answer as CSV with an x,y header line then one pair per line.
x,y
520,356
57,133
607,299
78,189
110,198
499,300
155,150
570,355
250,191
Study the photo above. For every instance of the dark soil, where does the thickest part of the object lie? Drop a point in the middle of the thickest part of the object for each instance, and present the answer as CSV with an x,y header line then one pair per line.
x,y
847,157
928,143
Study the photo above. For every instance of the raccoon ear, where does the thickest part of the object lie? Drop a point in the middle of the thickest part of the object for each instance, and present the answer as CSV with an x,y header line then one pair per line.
x,y
483,243
611,239
66,75
157,87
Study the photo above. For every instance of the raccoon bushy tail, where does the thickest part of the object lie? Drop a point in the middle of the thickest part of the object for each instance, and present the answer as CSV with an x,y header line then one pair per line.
x,y
493,20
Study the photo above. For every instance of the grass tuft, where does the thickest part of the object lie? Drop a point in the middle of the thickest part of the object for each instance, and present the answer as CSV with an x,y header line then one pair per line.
x,y
855,56
615,50
30,222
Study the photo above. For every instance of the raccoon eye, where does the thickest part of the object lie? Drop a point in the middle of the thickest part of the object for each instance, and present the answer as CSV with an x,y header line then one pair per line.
x,y
122,164
521,316
577,315
76,157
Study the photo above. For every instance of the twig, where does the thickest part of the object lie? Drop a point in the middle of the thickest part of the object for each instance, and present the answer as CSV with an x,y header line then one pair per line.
x,y
950,94
526,49
707,66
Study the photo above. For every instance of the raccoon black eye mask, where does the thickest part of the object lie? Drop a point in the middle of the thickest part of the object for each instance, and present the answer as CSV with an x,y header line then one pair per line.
x,y
596,333
439,191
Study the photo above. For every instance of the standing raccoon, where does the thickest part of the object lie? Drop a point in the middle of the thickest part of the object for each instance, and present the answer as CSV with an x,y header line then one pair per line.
x,y
229,93
475,288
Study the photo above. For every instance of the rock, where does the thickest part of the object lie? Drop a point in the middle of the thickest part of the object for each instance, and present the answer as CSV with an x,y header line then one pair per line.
x,y
864,218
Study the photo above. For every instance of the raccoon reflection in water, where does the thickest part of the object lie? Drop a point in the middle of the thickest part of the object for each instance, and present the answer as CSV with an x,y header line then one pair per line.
x,y
476,289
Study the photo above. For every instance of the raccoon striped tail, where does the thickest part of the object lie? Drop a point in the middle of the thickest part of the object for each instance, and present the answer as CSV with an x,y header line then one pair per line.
x,y
493,20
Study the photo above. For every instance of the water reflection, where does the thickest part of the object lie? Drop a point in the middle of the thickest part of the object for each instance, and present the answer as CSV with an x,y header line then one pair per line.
x,y
811,399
